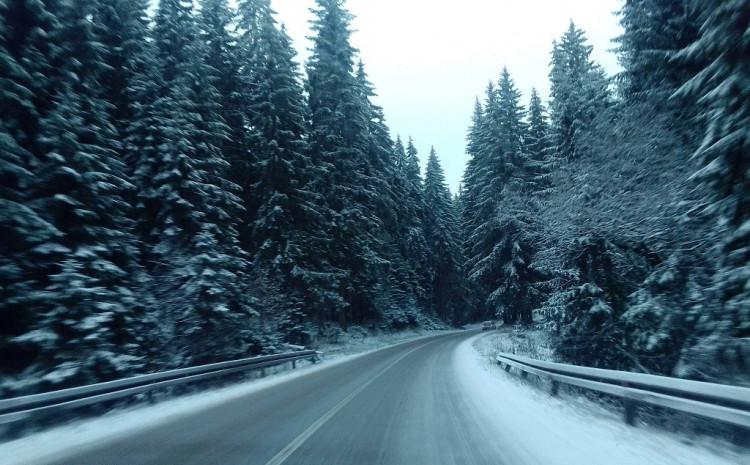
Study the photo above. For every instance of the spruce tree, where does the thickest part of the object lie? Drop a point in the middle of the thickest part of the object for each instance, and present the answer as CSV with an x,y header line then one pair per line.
x,y
123,29
441,230
498,248
401,284
223,59
537,147
471,180
90,301
188,208
653,32
410,209
26,247
724,156
339,134
579,91
287,230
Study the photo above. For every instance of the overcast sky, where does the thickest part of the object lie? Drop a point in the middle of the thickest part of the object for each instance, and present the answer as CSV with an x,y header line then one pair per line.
x,y
429,59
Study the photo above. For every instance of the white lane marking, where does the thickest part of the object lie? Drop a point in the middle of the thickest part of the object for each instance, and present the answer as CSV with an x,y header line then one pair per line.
x,y
287,451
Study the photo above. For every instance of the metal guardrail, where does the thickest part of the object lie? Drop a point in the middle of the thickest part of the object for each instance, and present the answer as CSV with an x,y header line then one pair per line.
x,y
18,408
730,404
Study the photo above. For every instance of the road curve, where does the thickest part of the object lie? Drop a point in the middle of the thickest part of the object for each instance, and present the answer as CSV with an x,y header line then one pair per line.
x,y
401,405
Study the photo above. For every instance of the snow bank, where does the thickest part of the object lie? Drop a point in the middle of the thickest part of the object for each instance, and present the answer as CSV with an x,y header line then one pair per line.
x,y
534,428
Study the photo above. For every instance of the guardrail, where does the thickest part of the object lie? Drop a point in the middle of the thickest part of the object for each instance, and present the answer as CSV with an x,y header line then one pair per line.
x,y
18,408
730,404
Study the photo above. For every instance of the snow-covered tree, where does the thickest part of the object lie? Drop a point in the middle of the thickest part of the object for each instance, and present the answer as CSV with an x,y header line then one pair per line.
x,y
339,138
28,237
537,147
82,328
122,27
224,58
402,282
188,208
409,209
447,291
720,345
498,183
579,90
653,31
287,217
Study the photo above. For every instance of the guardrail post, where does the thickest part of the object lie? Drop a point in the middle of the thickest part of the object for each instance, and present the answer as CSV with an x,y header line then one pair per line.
x,y
631,411
555,389
294,364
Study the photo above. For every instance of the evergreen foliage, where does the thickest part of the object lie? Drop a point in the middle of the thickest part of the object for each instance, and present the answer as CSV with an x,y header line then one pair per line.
x,y
499,183
448,292
719,347
579,90
174,191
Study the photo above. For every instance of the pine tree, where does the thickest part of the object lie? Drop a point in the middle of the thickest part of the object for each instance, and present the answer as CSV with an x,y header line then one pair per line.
x,y
579,90
188,208
471,181
537,147
378,147
223,60
490,174
498,248
90,300
441,230
339,134
30,74
513,131
402,281
27,236
122,26
286,215
409,209
725,159
654,31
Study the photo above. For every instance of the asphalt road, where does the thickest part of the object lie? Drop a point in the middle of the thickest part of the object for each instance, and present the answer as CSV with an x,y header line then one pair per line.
x,y
401,405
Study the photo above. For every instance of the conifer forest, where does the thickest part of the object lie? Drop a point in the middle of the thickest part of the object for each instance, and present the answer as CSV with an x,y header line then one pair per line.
x,y
178,188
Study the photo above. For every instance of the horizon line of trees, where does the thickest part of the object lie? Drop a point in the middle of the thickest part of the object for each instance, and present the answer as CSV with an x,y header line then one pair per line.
x,y
173,192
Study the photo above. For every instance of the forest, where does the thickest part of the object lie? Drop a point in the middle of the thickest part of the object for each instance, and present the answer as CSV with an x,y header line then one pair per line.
x,y
177,189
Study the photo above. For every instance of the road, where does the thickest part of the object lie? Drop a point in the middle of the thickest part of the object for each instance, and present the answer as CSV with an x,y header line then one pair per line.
x,y
400,405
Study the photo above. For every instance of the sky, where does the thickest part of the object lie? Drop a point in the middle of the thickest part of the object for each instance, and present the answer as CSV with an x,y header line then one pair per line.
x,y
430,59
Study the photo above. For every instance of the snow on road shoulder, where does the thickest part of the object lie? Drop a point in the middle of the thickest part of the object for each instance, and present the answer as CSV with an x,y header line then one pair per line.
x,y
86,434
536,429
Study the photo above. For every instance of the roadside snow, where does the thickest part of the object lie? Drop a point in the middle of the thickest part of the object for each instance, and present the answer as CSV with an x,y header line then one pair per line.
x,y
85,433
536,429
530,342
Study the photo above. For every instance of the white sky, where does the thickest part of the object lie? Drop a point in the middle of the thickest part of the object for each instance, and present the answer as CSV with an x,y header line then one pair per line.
x,y
429,59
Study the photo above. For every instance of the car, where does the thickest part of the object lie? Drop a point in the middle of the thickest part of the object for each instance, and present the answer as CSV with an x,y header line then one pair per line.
x,y
488,325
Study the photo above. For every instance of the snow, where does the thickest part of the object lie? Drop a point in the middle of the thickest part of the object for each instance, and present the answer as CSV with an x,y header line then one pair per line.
x,y
63,372
531,427
535,428
88,433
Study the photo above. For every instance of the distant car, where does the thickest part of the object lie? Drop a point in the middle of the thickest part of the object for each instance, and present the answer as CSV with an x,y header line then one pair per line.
x,y
488,325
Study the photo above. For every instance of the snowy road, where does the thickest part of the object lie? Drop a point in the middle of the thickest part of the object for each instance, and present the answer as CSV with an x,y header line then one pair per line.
x,y
430,401
401,405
